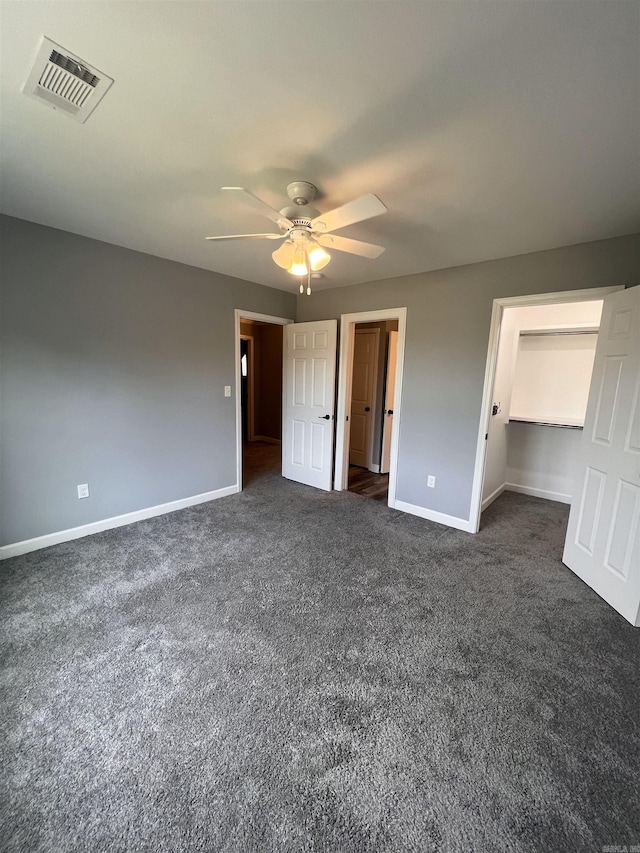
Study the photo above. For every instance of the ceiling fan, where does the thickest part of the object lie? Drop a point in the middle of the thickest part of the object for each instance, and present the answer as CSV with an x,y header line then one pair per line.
x,y
306,232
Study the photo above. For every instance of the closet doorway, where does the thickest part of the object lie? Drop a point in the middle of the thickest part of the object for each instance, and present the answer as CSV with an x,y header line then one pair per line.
x,y
536,387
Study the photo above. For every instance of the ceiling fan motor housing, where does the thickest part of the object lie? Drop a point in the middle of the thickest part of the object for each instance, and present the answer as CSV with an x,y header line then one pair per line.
x,y
299,216
301,192
300,232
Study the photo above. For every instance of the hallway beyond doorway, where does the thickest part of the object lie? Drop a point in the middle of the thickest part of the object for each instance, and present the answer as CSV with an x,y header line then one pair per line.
x,y
369,485
261,459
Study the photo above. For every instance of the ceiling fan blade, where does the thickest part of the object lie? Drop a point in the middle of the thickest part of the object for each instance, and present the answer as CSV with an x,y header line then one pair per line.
x,y
261,206
365,207
346,244
249,237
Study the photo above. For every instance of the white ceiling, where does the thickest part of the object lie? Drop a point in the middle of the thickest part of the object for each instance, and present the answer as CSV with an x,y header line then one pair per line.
x,y
488,128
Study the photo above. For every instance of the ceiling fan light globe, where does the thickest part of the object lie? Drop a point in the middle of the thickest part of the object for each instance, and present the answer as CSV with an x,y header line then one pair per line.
x,y
283,255
318,258
299,269
299,263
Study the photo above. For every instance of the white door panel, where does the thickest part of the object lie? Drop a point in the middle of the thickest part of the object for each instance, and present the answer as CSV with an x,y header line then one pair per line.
x,y
308,402
603,540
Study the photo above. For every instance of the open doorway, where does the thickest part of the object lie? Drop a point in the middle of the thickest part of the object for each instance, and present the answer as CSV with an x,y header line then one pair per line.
x,y
543,373
247,343
537,380
371,409
259,346
369,400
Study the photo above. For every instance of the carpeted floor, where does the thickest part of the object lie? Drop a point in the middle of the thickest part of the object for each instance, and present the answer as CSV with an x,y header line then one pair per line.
x,y
293,670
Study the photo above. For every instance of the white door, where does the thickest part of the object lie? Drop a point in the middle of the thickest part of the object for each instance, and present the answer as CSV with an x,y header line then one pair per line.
x,y
308,402
603,541
389,393
365,363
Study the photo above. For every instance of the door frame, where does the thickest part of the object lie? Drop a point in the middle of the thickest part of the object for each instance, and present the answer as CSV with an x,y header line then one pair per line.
x,y
345,374
246,315
587,295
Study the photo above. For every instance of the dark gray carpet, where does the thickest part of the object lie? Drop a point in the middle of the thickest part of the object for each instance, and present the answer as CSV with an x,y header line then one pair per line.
x,y
291,670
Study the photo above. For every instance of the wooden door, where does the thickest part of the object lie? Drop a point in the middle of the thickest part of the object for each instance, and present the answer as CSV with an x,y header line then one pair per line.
x,y
365,362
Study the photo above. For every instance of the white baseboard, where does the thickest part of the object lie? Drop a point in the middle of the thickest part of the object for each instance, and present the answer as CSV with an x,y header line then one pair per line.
x,y
27,545
266,438
432,515
538,493
492,497
375,469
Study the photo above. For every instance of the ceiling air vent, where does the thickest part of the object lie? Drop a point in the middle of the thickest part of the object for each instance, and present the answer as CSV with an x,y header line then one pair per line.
x,y
65,82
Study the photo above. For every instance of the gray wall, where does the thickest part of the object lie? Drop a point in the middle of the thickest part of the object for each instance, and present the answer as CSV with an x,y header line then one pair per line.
x,y
114,364
113,367
448,320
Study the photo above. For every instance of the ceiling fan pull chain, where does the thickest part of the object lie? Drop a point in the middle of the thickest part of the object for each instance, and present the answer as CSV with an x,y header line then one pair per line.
x,y
309,279
301,285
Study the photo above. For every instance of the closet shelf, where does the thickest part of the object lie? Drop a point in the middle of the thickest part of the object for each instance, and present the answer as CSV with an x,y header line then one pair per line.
x,y
550,332
551,423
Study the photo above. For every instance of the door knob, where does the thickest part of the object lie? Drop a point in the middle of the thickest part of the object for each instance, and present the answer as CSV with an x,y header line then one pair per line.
x,y
325,417
367,408
389,412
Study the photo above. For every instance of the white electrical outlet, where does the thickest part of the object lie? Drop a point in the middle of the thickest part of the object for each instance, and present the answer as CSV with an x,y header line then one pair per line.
x,y
431,481
227,390
83,490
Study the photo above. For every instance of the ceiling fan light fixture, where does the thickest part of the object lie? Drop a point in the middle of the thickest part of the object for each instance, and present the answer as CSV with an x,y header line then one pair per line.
x,y
284,255
299,262
318,258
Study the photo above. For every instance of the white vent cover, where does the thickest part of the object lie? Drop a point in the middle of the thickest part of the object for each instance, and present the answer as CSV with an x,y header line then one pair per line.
x,y
65,82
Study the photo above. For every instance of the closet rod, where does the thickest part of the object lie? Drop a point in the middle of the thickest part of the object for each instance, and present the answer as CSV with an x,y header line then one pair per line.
x,y
551,333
